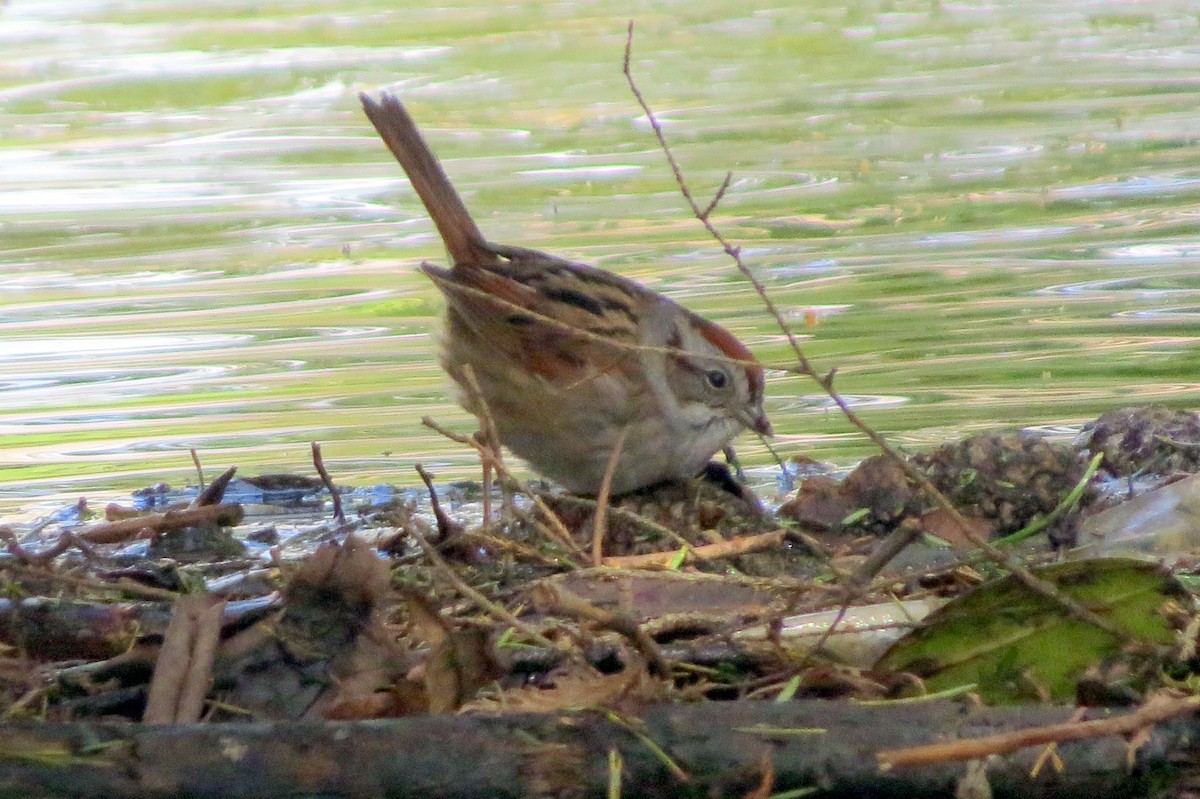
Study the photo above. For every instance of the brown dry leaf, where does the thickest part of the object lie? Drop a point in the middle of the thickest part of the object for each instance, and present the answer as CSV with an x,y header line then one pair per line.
x,y
624,691
359,678
460,661
426,622
458,668
378,704
352,571
403,698
939,523
818,503
328,652
443,684
880,484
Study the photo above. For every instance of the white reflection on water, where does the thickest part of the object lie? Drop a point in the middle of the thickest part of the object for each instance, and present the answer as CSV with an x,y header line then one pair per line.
x,y
568,173
1177,313
1158,251
72,347
1131,187
1003,152
166,193
1138,286
192,63
54,388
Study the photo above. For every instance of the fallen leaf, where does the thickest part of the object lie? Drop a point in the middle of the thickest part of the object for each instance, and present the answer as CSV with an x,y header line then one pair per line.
x,y
1014,644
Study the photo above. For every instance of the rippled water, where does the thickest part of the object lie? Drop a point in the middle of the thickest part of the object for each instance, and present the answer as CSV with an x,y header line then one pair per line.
x,y
984,215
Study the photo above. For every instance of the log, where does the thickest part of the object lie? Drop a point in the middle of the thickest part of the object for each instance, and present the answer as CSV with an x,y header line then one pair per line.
x,y
723,748
63,629
228,515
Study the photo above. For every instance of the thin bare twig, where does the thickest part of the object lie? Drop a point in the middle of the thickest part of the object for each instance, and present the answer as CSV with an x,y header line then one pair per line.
x,y
486,466
601,517
649,525
558,599
446,528
885,550
1157,709
716,200
66,540
559,533
479,540
125,585
319,462
696,554
825,381
199,468
226,515
492,457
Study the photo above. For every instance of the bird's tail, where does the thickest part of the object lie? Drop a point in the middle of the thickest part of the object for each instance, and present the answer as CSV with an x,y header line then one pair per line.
x,y
459,232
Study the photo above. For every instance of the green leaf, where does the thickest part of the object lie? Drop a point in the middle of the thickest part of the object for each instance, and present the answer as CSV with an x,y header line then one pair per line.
x,y
1017,645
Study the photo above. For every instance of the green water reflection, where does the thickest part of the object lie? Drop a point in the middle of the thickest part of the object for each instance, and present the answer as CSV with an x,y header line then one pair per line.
x,y
992,211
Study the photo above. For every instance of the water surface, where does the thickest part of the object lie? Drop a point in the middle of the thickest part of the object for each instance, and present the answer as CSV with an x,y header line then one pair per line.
x,y
984,215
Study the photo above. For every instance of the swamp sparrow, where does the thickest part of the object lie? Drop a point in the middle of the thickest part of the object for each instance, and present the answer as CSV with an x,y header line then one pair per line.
x,y
572,361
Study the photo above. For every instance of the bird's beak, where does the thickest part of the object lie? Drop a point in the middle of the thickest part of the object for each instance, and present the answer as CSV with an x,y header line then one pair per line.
x,y
757,421
762,426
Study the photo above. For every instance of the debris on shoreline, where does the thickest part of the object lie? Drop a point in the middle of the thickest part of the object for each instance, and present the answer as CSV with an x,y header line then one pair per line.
x,y
700,594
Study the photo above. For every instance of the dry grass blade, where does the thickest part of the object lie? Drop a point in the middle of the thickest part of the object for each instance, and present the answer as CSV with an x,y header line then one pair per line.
x,y
199,468
649,525
698,554
492,457
602,498
124,585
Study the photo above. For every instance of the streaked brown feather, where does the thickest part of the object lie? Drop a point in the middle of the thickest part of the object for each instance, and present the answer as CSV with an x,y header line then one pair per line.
x,y
528,279
554,348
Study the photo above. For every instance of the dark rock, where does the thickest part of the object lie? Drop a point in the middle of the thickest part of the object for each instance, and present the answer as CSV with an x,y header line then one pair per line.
x,y
1151,439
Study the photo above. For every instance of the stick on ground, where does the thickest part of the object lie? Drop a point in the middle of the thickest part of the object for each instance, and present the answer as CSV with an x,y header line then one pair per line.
x,y
319,462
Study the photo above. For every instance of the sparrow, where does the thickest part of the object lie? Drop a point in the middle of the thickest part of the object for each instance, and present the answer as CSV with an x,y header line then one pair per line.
x,y
571,361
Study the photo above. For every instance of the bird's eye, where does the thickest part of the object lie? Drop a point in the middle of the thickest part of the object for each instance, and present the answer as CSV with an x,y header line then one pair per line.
x,y
716,378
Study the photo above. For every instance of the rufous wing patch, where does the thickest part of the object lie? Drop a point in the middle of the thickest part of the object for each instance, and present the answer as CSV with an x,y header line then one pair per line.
x,y
529,327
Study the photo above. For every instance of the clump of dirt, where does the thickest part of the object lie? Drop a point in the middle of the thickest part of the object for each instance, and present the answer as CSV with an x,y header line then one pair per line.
x,y
873,498
201,543
1144,439
1002,481
1009,480
880,486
